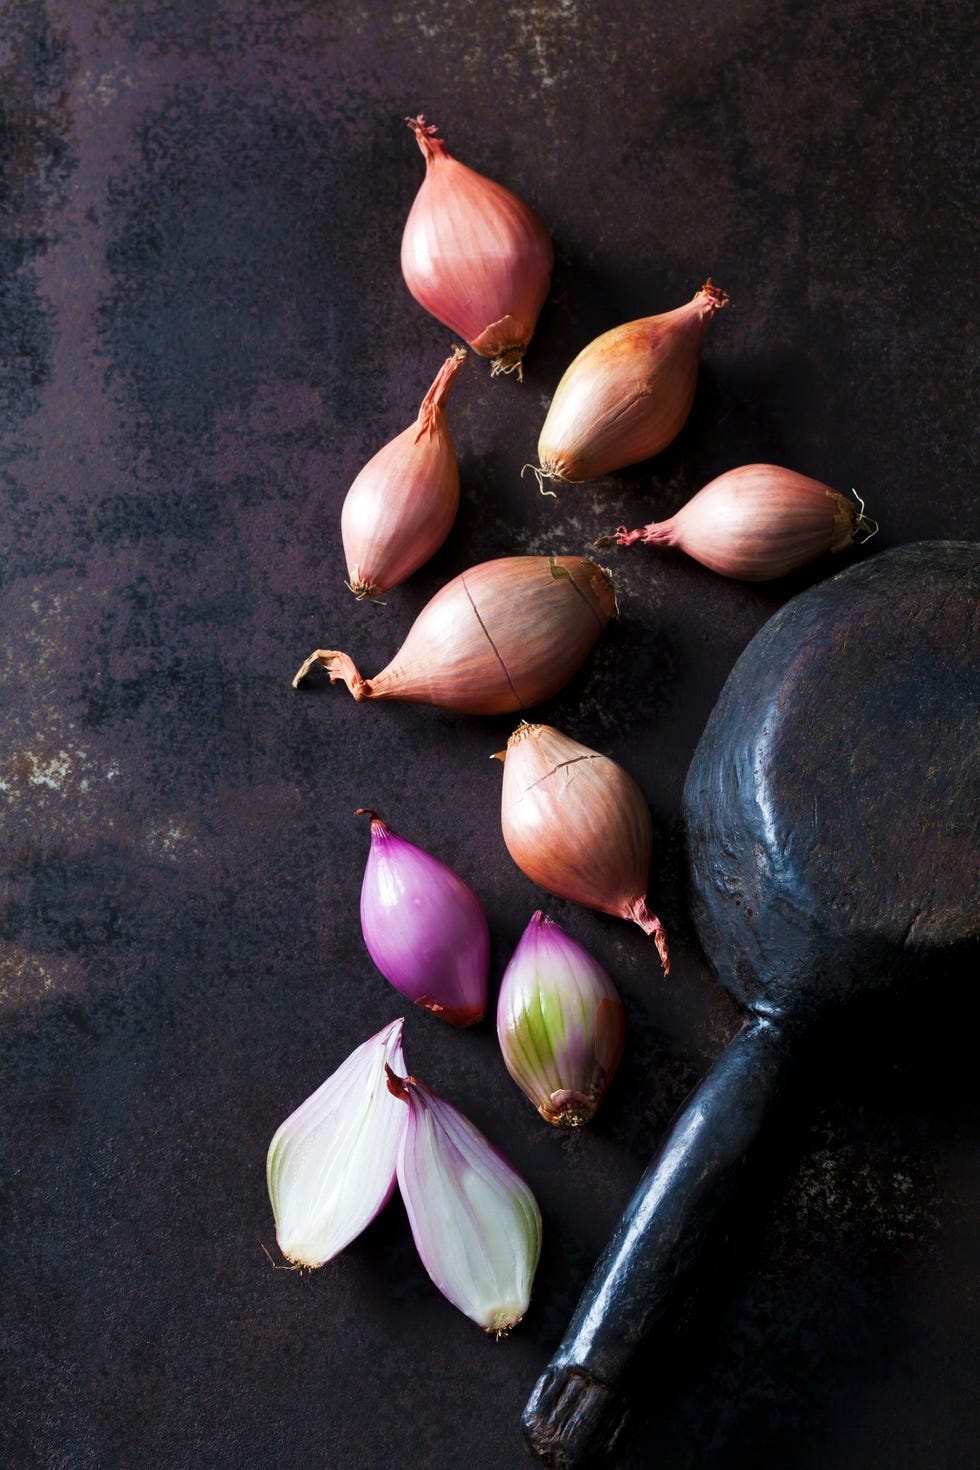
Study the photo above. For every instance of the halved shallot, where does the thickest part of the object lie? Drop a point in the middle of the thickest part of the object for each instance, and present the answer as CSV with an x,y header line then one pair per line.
x,y
402,504
331,1164
578,825
627,394
476,1225
474,255
499,638
756,522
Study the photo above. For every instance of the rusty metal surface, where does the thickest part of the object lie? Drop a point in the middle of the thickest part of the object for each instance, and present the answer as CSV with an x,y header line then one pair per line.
x,y
203,336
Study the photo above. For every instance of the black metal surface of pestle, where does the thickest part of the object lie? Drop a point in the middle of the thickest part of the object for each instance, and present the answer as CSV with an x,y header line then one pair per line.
x,y
832,818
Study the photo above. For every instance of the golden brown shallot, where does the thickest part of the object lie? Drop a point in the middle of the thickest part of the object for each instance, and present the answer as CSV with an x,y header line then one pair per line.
x,y
578,825
499,638
627,394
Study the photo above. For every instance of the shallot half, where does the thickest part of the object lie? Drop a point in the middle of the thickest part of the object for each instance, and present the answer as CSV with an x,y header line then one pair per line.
x,y
474,255
560,1024
577,824
756,522
331,1164
401,506
499,638
627,394
424,927
476,1225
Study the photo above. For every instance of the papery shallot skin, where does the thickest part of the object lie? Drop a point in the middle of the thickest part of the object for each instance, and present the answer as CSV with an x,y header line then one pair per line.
x,y
401,506
627,394
475,1222
578,825
331,1164
424,928
561,1025
474,255
757,522
499,638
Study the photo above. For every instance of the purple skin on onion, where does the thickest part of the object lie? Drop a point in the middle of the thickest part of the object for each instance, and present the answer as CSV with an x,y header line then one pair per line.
x,y
560,1024
424,928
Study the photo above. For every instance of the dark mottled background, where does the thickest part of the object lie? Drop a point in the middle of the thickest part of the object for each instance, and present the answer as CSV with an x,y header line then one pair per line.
x,y
203,335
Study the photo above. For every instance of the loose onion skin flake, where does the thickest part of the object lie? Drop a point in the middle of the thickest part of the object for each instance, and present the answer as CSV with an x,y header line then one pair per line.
x,y
627,394
499,638
475,256
757,522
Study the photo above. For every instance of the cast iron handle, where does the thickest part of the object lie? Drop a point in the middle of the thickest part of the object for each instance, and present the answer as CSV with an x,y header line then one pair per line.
x,y
576,1413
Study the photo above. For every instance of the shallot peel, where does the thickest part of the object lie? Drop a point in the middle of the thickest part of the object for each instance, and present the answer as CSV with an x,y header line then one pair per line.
x,y
560,1023
577,824
627,394
401,506
476,1225
499,638
474,255
424,927
756,522
331,1164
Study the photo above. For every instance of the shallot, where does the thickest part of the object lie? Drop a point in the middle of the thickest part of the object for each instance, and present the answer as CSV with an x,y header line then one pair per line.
x,y
499,638
424,927
476,1225
756,522
474,255
577,824
560,1023
400,508
627,394
331,1164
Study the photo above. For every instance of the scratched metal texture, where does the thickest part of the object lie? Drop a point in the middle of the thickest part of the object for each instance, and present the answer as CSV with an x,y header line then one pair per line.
x,y
203,336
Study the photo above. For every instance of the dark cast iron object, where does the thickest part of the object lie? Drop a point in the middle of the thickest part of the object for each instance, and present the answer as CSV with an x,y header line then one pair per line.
x,y
832,819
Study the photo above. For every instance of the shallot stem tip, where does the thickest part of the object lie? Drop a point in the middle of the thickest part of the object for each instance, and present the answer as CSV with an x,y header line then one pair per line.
x,y
864,523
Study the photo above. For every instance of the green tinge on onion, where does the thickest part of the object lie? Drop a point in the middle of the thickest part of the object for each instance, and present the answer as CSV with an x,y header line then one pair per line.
x,y
560,1024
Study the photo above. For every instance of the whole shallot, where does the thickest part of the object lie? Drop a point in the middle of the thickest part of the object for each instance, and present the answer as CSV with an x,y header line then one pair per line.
x,y
424,927
627,394
577,824
756,522
331,1165
401,506
560,1024
474,255
498,638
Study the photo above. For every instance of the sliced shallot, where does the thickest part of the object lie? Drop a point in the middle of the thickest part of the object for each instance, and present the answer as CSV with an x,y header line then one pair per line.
x,y
476,1225
331,1164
